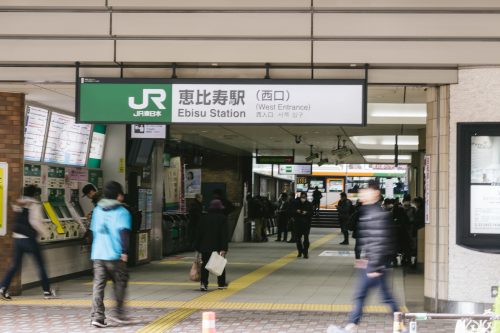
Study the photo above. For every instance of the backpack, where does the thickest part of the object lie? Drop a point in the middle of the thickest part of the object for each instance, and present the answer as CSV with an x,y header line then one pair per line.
x,y
22,224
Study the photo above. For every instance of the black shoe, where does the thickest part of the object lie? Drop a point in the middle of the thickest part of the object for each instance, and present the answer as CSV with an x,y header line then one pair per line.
x,y
222,286
306,256
99,323
291,241
203,287
284,240
299,255
344,243
4,295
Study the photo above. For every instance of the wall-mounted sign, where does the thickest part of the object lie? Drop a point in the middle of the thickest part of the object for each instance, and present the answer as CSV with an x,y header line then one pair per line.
x,y
4,191
143,131
274,159
34,133
67,142
105,100
295,169
192,183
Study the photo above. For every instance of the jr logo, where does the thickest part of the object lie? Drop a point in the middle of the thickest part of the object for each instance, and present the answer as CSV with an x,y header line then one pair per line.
x,y
158,96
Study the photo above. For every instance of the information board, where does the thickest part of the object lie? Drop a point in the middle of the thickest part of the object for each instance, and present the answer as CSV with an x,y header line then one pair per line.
x,y
295,169
67,142
34,133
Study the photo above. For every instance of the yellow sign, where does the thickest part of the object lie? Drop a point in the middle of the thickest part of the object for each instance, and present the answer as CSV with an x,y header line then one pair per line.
x,y
121,168
4,181
53,217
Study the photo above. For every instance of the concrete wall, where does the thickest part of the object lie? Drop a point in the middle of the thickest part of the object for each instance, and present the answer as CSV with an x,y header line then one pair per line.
x,y
475,99
114,150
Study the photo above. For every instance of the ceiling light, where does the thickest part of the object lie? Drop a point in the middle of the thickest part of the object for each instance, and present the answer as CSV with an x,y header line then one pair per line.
x,y
353,65
406,142
387,158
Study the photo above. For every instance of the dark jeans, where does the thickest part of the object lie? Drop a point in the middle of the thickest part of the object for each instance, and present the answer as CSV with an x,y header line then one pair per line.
x,y
22,246
343,228
357,249
316,204
205,257
364,285
282,226
302,231
117,271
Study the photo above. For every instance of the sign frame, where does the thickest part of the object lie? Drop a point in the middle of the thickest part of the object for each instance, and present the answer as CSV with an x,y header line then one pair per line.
x,y
482,242
360,82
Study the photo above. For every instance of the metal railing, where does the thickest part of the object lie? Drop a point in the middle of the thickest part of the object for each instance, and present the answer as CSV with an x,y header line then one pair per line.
x,y
473,323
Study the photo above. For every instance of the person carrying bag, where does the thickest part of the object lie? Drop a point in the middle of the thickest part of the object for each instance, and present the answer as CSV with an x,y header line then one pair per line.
x,y
212,236
194,273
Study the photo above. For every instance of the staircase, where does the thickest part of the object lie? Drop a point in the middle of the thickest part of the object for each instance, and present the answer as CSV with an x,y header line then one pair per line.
x,y
326,219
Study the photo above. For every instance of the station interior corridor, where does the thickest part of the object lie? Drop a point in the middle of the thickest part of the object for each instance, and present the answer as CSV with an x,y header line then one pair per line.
x,y
270,290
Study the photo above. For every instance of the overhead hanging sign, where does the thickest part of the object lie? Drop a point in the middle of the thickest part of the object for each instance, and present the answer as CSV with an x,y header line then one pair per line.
x,y
295,169
142,131
274,159
149,101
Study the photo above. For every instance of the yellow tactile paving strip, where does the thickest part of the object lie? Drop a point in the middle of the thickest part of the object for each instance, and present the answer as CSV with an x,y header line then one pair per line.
x,y
198,305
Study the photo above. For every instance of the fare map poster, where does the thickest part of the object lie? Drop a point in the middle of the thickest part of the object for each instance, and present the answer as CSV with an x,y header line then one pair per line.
x,y
34,133
67,142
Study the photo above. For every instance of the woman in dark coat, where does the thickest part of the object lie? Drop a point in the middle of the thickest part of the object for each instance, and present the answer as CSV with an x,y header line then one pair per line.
x,y
212,236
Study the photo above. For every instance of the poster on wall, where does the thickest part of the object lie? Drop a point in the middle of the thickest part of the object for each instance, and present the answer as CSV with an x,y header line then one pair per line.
x,y
173,184
4,181
192,183
485,185
97,146
427,187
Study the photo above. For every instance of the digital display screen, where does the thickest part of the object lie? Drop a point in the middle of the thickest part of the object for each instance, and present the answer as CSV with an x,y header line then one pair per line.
x,y
34,133
67,142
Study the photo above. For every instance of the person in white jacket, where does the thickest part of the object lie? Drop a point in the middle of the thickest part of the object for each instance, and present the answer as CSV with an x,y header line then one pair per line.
x,y
27,226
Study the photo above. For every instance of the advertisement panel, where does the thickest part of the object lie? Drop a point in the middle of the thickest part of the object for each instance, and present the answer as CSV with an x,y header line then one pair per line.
x,y
149,101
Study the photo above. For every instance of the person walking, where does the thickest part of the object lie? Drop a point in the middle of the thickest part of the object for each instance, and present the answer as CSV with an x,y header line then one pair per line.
x,y
282,218
353,226
345,209
110,226
195,213
28,225
302,215
317,195
212,235
376,236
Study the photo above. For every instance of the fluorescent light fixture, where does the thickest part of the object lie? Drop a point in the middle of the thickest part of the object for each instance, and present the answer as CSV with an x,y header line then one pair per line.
x,y
391,113
406,142
387,158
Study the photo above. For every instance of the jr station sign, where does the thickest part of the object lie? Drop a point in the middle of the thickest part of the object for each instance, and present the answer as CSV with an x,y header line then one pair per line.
x,y
150,101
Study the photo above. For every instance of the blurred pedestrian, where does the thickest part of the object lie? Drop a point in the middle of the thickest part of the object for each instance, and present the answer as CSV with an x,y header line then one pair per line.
x,y
111,225
317,195
303,212
28,225
212,236
282,213
195,213
377,241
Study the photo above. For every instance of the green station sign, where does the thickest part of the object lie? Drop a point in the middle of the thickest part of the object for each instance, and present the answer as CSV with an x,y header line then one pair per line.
x,y
274,159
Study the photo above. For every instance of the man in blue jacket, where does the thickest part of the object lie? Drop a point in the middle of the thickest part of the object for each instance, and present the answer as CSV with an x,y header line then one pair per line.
x,y
111,225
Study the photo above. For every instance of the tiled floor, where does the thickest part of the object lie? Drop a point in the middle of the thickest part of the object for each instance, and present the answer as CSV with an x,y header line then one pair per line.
x,y
272,291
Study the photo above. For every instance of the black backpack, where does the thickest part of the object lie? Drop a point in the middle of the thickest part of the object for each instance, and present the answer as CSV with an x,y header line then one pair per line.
x,y
22,224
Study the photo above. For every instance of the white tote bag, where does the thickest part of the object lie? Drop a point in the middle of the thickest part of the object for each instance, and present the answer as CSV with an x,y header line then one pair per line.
x,y
216,264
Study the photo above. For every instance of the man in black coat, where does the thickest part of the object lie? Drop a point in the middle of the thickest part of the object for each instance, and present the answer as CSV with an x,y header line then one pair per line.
x,y
376,237
195,213
302,215
345,209
212,236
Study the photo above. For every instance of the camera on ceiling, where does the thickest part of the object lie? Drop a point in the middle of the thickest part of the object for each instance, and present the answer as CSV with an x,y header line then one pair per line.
x,y
298,139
